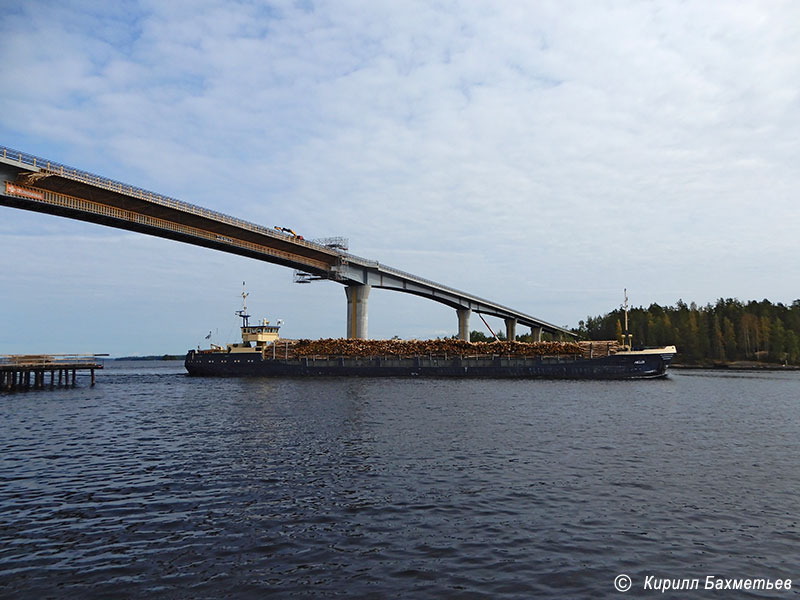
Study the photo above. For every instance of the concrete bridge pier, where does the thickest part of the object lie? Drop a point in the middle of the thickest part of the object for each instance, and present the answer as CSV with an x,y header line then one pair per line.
x,y
463,323
357,310
511,329
536,333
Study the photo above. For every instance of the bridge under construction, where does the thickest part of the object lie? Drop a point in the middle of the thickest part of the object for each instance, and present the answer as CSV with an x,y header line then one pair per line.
x,y
32,183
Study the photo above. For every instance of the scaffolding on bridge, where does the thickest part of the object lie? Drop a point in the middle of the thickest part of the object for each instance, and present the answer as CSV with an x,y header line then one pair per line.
x,y
340,244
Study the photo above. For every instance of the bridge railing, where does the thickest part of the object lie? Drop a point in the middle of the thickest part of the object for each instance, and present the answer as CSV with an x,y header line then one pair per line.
x,y
137,192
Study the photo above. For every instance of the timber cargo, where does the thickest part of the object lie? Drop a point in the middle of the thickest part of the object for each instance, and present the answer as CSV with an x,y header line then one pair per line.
x,y
262,353
625,364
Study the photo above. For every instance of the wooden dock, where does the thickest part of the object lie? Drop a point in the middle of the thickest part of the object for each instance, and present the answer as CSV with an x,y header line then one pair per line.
x,y
29,371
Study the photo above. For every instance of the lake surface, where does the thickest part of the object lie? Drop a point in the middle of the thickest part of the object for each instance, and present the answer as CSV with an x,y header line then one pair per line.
x,y
153,484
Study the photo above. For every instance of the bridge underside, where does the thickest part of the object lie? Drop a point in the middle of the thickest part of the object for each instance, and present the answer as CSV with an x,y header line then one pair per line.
x,y
139,227
115,209
172,214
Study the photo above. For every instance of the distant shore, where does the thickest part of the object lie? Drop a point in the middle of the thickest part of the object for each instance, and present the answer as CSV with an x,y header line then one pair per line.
x,y
151,357
738,366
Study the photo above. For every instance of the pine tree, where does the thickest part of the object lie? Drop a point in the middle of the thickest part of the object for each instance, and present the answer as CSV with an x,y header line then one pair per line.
x,y
777,341
729,334
717,341
792,347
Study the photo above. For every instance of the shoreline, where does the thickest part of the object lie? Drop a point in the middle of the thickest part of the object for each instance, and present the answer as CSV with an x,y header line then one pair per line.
x,y
737,366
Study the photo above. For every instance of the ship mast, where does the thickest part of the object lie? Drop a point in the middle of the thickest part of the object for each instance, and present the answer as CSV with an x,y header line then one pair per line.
x,y
243,313
627,338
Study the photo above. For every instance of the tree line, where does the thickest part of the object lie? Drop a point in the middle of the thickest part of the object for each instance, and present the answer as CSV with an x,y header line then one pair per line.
x,y
728,330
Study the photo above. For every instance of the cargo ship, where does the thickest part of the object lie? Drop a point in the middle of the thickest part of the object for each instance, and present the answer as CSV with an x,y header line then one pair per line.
x,y
262,353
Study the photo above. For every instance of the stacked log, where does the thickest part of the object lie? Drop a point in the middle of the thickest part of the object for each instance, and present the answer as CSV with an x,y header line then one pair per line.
x,y
365,348
595,349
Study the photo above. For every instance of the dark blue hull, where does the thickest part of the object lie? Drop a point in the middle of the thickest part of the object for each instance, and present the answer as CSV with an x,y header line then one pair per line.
x,y
253,364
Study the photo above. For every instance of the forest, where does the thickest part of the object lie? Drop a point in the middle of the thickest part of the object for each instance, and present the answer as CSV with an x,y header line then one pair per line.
x,y
727,331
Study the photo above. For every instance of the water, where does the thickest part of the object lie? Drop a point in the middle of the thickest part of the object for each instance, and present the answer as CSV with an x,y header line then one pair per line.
x,y
159,485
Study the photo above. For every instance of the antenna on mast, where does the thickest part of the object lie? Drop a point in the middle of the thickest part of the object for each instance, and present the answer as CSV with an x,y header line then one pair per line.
x,y
243,313
627,338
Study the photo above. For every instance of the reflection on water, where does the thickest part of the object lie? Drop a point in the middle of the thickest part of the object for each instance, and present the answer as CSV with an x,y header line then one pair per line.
x,y
153,483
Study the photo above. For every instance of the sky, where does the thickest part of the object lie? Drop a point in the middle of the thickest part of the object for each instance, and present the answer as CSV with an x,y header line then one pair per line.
x,y
543,155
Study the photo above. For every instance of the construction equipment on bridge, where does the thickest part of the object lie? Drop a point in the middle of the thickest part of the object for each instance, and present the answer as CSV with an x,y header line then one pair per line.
x,y
289,231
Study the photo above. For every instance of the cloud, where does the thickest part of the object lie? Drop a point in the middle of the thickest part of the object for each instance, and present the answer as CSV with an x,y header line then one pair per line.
x,y
544,155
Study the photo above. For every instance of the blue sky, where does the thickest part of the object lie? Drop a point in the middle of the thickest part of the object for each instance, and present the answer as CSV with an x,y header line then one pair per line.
x,y
544,155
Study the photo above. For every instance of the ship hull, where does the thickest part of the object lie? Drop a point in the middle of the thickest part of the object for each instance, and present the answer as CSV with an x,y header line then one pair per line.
x,y
254,364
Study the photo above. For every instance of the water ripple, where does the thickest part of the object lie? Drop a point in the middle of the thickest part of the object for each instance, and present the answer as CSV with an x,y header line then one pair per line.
x,y
156,484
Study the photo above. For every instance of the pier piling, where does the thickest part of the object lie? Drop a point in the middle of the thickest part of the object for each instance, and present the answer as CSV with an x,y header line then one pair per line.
x,y
29,371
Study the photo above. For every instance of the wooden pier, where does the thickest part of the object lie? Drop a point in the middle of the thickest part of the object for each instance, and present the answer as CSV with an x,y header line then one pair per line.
x,y
29,371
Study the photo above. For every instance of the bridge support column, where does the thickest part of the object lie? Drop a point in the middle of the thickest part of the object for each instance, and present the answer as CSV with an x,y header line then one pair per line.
x,y
357,310
511,329
536,334
463,323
